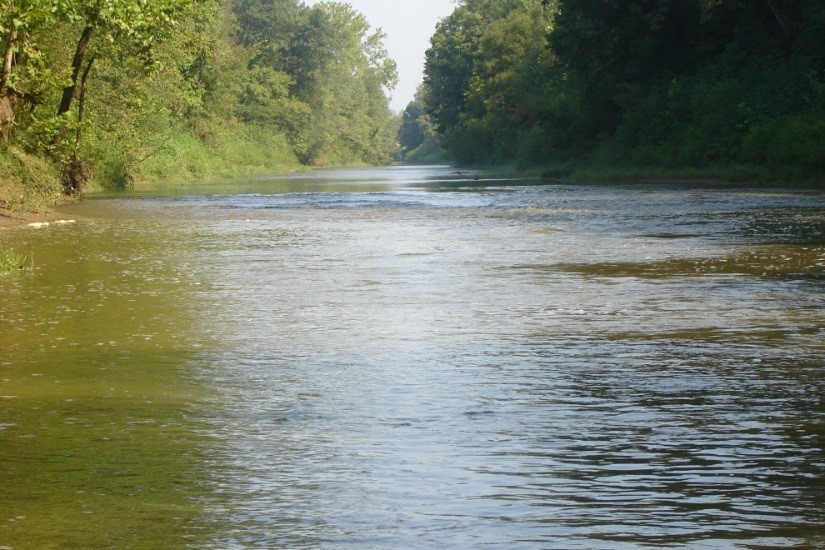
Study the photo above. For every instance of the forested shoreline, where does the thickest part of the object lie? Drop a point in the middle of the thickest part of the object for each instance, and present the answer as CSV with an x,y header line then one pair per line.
x,y
111,92
114,91
694,88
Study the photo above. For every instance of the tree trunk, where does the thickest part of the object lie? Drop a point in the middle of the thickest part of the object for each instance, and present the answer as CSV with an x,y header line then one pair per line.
x,y
8,60
77,65
7,99
81,100
7,109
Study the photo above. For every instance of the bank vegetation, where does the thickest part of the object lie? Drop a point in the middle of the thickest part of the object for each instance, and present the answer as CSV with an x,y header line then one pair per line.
x,y
111,92
690,88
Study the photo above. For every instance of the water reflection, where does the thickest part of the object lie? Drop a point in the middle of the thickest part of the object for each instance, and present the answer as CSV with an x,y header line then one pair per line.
x,y
418,358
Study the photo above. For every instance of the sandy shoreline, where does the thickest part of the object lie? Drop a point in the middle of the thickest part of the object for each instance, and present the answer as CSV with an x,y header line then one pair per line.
x,y
13,218
10,218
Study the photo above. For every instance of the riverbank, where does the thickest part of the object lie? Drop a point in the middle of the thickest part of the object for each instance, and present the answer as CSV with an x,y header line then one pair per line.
x,y
721,176
29,188
17,219
727,175
19,209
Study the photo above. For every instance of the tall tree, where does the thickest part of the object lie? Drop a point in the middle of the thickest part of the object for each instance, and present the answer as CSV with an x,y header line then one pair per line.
x,y
332,63
617,48
132,24
485,77
22,59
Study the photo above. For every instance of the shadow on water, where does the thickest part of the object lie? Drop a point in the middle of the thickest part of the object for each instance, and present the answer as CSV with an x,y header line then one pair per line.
x,y
104,449
103,436
776,262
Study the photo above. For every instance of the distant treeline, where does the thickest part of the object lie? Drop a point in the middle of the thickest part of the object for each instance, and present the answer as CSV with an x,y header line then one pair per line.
x,y
118,90
670,85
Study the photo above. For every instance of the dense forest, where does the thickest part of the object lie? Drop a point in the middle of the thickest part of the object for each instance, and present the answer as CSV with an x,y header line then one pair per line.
x,y
113,91
732,88
118,90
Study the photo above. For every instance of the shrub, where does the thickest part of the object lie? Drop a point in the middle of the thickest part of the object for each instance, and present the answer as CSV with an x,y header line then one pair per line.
x,y
10,260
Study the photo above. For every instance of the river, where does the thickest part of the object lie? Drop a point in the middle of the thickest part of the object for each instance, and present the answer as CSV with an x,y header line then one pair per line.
x,y
413,357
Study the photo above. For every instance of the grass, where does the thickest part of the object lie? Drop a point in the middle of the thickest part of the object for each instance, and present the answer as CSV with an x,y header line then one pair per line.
x,y
224,153
583,172
27,182
10,260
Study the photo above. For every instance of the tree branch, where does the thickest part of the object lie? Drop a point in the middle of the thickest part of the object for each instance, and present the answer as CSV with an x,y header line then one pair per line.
x,y
81,100
77,64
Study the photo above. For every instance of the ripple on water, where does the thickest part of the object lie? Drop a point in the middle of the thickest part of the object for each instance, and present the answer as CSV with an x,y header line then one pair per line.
x,y
447,363
541,376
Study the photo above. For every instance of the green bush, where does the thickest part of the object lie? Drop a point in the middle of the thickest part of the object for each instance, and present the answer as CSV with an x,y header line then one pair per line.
x,y
429,152
27,182
10,260
797,140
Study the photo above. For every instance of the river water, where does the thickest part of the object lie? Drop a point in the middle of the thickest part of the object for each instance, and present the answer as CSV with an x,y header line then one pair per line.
x,y
417,358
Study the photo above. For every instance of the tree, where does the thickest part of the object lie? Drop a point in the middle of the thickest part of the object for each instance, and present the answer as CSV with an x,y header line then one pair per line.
x,y
130,24
22,59
617,48
412,133
417,138
117,89
334,77
486,78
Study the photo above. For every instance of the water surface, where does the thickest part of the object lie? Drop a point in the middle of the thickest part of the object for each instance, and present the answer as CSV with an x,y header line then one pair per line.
x,y
417,358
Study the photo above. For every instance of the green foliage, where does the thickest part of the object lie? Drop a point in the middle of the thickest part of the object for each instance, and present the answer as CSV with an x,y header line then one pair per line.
x,y
129,90
27,182
796,140
418,140
321,75
651,86
10,260
487,80
429,152
617,48
235,151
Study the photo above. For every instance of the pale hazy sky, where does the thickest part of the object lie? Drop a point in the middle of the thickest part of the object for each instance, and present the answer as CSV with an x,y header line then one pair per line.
x,y
408,24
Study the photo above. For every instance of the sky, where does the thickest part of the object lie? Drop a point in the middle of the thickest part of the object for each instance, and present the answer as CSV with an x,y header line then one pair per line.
x,y
408,24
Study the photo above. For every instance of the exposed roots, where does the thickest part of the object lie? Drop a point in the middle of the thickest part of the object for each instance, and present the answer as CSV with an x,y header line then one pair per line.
x,y
75,174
